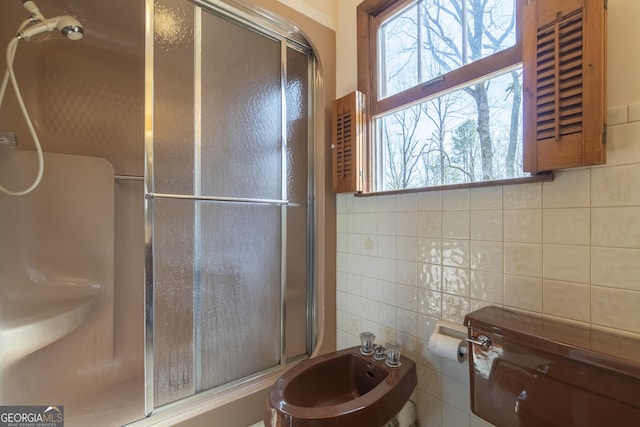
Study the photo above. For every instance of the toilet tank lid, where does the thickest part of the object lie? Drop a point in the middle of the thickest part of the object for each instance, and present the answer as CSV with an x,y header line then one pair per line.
x,y
615,352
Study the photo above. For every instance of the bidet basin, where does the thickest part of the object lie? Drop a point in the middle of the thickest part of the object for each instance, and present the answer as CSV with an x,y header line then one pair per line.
x,y
344,388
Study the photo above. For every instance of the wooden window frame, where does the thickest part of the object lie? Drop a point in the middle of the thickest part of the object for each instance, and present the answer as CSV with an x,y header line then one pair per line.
x,y
539,157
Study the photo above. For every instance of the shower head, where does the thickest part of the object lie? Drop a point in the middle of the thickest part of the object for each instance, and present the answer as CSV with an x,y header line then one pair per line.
x,y
69,26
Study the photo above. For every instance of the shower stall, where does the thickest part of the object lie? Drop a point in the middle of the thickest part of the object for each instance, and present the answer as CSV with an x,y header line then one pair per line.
x,y
175,249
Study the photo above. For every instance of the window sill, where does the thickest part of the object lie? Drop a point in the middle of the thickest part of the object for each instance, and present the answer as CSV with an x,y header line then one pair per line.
x,y
544,177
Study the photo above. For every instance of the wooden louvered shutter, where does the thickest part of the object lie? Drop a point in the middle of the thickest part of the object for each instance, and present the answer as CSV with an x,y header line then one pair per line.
x,y
348,140
564,83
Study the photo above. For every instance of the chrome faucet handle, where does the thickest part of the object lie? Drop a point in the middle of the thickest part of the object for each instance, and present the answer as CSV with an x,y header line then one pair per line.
x,y
366,343
393,354
379,352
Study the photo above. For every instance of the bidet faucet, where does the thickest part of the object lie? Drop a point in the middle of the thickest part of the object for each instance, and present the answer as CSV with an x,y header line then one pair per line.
x,y
393,354
366,343
379,352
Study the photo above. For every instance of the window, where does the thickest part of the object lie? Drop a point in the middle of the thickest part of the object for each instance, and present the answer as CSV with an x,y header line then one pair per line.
x,y
462,91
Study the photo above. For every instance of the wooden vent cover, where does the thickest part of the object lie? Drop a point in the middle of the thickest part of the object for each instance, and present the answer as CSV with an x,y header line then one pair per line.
x,y
564,78
347,143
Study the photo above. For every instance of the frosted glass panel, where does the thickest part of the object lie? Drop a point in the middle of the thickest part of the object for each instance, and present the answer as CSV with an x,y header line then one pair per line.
x,y
240,290
297,98
173,271
173,133
296,291
241,111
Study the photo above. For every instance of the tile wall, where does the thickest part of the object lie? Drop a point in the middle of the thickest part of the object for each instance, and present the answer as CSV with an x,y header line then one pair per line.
x,y
568,249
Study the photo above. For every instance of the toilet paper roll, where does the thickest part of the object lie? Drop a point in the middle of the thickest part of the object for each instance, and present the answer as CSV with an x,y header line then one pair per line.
x,y
448,347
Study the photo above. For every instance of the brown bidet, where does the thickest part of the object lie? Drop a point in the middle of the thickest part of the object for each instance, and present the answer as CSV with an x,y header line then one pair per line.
x,y
344,388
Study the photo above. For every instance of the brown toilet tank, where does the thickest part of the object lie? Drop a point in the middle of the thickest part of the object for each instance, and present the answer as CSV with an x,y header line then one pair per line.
x,y
539,372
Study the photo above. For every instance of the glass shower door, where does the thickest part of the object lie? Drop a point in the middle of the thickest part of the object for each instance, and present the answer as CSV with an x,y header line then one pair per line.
x,y
228,202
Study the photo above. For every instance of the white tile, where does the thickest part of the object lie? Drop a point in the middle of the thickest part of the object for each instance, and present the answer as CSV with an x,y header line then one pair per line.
x,y
455,199
454,417
369,223
616,186
455,253
523,259
430,224
370,288
387,269
569,189
487,256
354,244
566,226
429,201
341,242
354,204
567,300
407,202
456,370
429,410
633,112
370,204
369,310
341,223
617,268
407,224
387,203
387,223
354,223
387,292
407,248
487,286
615,308
430,303
485,198
486,225
354,284
617,115
407,272
430,276
354,305
617,227
455,393
567,263
407,323
369,266
454,308
407,297
426,327
622,143
455,224
387,246
524,293
526,196
354,263
429,381
430,250
523,225
354,324
455,281
387,315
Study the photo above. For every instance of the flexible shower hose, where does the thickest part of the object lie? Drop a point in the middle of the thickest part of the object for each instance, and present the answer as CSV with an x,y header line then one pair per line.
x,y
10,75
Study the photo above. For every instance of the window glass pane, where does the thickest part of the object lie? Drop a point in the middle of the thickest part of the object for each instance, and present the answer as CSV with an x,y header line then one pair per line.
x,y
398,40
434,37
472,134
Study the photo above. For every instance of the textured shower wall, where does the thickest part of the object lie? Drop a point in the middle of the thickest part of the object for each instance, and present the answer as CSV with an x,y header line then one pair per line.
x,y
87,98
